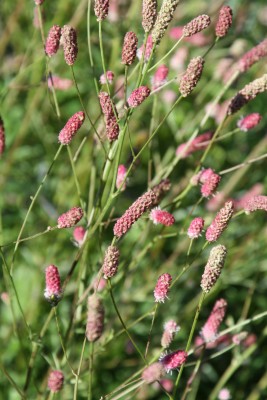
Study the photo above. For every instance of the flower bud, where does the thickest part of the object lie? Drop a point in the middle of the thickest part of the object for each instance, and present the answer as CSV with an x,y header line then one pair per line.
x,y
108,78
173,360
195,228
160,76
101,9
159,216
170,329
122,172
78,235
53,291
149,14
249,122
210,329
220,222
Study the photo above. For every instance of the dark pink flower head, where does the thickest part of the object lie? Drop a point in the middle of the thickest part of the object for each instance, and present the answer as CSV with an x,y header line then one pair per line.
x,y
255,203
53,291
111,262
129,48
162,287
252,56
69,43
138,96
220,222
195,228
106,78
249,122
153,372
210,329
95,318
59,83
101,8
149,47
160,76
199,143
173,360
52,41
170,329
191,76
255,190
70,218
196,25
210,181
55,381
2,137
78,235
70,129
122,172
224,22
159,216
134,212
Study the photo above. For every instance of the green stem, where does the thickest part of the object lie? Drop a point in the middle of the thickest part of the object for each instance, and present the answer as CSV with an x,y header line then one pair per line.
x,y
150,331
76,179
91,359
79,371
89,45
167,54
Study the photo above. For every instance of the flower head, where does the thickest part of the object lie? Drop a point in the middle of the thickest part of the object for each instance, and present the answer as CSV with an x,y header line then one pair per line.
x,y
196,25
149,14
70,129
191,76
163,19
52,41
160,190
111,262
211,327
138,96
129,48
173,360
162,287
101,9
159,216
255,203
58,83
160,76
170,329
249,122
153,372
122,172
108,78
53,291
109,111
252,56
220,222
224,394
78,235
95,318
55,381
199,143
70,218
213,267
210,181
224,22
69,43
195,228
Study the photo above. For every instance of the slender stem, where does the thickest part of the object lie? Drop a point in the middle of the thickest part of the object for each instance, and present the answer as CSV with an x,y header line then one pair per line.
x,y
76,179
49,229
89,45
202,297
251,161
91,359
167,54
125,83
13,383
150,331
41,23
79,371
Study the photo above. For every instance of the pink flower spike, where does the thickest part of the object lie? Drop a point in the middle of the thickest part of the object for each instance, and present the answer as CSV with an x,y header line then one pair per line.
x,y
249,122
159,216
52,41
55,381
173,360
162,287
255,203
195,228
211,182
122,171
224,22
70,129
70,218
160,76
78,235
210,329
110,77
138,96
220,222
2,137
69,43
170,329
53,292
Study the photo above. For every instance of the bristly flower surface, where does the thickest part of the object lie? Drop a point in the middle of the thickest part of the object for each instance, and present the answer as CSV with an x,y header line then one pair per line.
x,y
53,291
111,262
69,43
196,25
160,190
70,129
70,218
195,228
210,329
138,96
162,217
95,318
252,56
224,22
55,381
129,48
101,8
108,108
163,19
220,222
255,203
149,14
249,122
162,287
52,41
191,76
173,360
213,267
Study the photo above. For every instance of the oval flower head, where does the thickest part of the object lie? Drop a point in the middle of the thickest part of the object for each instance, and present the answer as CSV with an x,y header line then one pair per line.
x,y
70,218
162,287
159,216
55,381
195,228
173,360
53,291
70,129
78,235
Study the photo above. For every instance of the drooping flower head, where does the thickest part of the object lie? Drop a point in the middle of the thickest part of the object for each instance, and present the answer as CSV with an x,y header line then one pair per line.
x,y
53,291
213,267
220,222
224,22
195,228
55,381
95,318
162,287
111,262
173,360
70,218
162,217
52,41
210,329
249,121
196,25
191,76
70,129
69,43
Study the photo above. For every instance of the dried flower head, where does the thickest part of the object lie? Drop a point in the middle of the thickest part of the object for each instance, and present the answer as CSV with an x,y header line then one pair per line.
x,y
134,212
108,78
248,93
52,41
148,51
70,129
69,43
95,318
173,360
255,203
162,287
111,262
249,122
129,48
55,381
210,329
195,228
138,96
70,218
213,267
53,291
170,329
2,137
159,216
192,75
121,181
220,222
160,190
224,22
252,56
153,372
58,83
196,25
199,143
78,235
101,9
160,76
149,14
163,19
